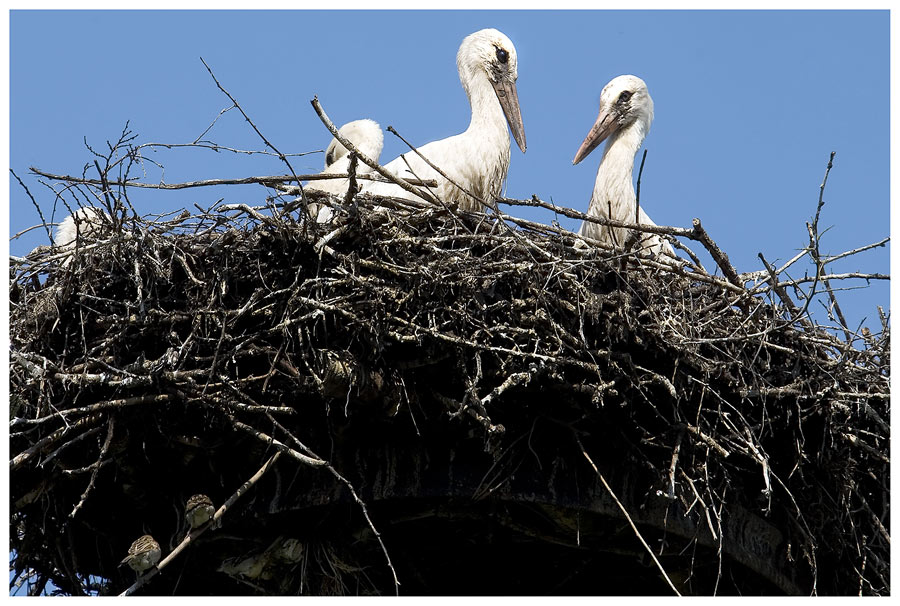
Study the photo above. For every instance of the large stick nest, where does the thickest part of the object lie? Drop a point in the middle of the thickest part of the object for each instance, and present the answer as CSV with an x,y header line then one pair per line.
x,y
420,355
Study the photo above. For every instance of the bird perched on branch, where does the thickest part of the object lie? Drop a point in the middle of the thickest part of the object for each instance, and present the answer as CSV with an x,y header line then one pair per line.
x,y
626,111
477,160
368,138
143,554
199,510
86,222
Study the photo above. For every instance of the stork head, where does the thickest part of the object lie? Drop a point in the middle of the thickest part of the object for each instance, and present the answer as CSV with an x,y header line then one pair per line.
x,y
489,52
365,134
624,102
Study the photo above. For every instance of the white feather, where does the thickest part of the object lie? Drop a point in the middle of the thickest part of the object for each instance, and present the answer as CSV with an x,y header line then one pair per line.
x,y
84,223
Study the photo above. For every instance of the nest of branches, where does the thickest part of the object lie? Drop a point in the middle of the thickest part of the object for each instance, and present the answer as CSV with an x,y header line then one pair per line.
x,y
322,381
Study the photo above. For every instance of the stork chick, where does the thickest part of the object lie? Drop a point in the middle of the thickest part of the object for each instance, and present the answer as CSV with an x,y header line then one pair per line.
x,y
626,111
477,159
366,135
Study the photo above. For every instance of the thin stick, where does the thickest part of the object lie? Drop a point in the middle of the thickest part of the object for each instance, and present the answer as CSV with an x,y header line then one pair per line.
x,y
281,156
281,446
674,464
697,233
263,180
492,205
353,187
798,281
637,201
33,202
813,230
718,255
37,447
356,498
856,250
627,517
429,163
780,290
96,465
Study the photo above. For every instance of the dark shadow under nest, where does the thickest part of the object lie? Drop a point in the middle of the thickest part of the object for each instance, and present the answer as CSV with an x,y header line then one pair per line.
x,y
461,406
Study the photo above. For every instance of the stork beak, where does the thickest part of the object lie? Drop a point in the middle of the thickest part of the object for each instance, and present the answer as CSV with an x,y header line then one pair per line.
x,y
603,127
509,101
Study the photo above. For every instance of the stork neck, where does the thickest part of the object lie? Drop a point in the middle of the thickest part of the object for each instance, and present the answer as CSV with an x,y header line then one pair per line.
x,y
487,115
614,183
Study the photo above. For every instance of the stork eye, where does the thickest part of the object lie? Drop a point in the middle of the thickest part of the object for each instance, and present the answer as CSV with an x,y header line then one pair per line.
x,y
502,55
625,96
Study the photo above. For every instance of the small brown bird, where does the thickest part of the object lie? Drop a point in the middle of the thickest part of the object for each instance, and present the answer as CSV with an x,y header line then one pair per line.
x,y
143,554
199,510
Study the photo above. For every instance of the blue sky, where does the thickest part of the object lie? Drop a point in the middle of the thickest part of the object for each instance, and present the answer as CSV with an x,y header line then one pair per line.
x,y
748,106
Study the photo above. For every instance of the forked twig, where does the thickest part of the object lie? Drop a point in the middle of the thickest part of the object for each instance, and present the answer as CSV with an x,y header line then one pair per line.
x,y
267,143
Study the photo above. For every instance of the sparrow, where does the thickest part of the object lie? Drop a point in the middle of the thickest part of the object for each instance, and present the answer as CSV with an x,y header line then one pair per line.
x,y
199,510
143,554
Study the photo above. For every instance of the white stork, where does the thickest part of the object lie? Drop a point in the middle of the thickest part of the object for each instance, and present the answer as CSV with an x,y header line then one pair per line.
x,y
626,111
366,135
478,158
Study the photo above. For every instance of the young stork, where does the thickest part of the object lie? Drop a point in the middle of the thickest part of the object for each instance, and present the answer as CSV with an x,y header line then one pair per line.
x,y
626,111
366,135
478,158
